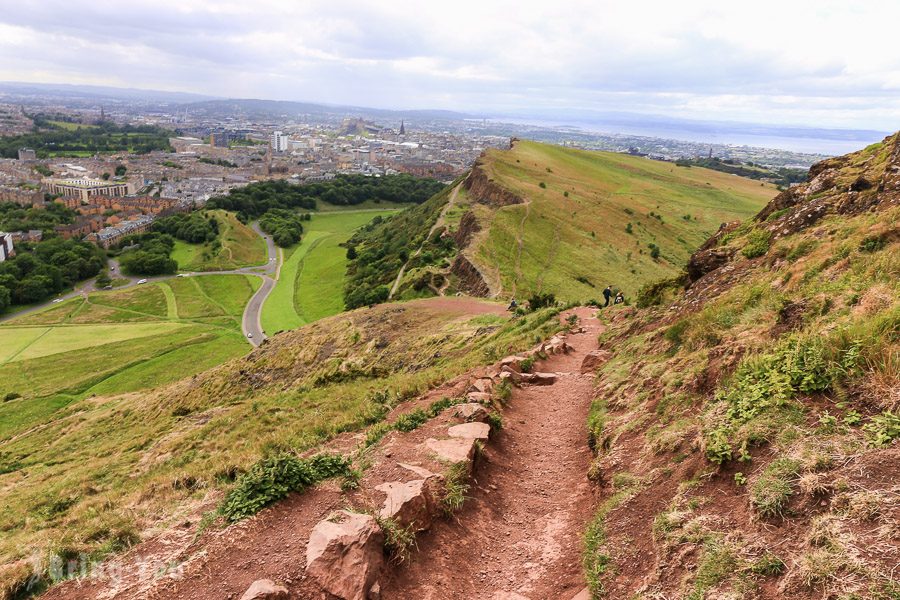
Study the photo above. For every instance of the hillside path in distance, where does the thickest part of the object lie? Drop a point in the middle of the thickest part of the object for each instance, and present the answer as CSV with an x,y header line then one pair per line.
x,y
520,529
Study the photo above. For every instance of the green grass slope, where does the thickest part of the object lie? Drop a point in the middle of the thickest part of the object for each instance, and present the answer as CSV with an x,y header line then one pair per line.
x,y
97,473
236,247
311,282
119,341
571,235
746,435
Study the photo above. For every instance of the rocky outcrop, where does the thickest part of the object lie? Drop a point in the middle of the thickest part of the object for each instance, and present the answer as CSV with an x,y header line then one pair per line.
x,y
470,280
706,261
453,450
471,411
483,189
345,554
594,360
266,589
468,227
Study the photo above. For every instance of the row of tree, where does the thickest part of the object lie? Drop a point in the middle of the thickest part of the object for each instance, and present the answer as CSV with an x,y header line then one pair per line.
x,y
39,271
252,200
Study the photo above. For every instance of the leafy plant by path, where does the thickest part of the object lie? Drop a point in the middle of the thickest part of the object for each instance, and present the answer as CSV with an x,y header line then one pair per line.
x,y
274,477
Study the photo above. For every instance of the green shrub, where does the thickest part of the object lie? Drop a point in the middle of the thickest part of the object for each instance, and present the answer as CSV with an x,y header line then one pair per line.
x,y
411,420
527,364
273,478
455,487
538,301
757,243
767,564
654,294
398,541
883,429
775,486
873,243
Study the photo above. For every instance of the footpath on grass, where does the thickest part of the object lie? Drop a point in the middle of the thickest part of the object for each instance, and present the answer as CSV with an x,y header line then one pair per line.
x,y
476,489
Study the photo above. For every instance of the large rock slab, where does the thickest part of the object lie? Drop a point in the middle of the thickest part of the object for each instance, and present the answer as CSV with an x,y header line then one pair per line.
x,y
453,450
542,378
513,362
470,411
477,431
411,503
594,360
345,554
265,589
482,385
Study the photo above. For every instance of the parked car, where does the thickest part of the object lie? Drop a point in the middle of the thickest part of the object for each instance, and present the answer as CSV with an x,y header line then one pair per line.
x,y
140,281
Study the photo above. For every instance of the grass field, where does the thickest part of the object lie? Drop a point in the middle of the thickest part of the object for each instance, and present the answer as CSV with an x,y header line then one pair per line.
x,y
123,340
311,282
239,247
571,236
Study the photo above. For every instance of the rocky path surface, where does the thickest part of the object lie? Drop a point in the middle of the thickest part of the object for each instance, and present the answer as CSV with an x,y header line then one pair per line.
x,y
520,532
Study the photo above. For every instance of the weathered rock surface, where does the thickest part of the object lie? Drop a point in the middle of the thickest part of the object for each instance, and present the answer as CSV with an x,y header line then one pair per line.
x,y
594,360
453,450
345,554
482,385
478,431
265,589
470,411
513,362
478,397
541,378
411,503
508,596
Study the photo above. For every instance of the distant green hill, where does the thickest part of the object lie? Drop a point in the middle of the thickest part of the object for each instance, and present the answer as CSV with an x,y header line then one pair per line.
x,y
544,218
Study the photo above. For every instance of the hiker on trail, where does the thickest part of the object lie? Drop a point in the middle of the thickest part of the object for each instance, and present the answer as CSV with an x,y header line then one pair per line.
x,y
620,298
513,305
607,293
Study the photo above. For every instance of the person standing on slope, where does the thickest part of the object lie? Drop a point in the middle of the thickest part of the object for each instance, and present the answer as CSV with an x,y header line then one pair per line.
x,y
607,294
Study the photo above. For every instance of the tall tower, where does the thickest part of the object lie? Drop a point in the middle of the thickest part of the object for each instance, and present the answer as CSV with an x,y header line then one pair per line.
x,y
102,114
402,128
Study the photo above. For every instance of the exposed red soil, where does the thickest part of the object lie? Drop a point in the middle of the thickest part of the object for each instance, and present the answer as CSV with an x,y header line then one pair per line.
x,y
520,530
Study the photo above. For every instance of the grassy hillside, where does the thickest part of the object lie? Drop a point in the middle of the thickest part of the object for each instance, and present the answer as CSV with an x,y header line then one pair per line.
x,y
311,282
236,247
571,235
746,435
105,469
118,341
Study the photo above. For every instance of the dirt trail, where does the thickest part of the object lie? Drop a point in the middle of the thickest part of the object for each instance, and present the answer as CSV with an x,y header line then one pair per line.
x,y
520,530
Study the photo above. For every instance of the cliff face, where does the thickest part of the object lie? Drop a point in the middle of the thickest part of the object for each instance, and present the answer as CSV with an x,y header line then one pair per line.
x,y
468,226
485,190
470,280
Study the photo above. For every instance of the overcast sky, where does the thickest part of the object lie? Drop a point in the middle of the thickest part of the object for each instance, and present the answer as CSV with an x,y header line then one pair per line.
x,y
824,63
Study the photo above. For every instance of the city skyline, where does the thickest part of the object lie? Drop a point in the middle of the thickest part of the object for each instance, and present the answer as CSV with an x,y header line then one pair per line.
x,y
804,64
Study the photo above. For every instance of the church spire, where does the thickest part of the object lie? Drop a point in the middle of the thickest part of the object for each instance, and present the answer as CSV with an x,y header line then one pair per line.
x,y
402,128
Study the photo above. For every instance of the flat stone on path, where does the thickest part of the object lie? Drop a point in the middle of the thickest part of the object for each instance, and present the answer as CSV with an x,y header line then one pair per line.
x,y
453,450
265,589
478,431
542,378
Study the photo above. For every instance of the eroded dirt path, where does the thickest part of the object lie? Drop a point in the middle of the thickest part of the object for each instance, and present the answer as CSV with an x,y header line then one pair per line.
x,y
520,530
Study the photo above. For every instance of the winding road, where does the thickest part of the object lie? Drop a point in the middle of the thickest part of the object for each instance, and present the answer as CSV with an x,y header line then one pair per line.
x,y
250,322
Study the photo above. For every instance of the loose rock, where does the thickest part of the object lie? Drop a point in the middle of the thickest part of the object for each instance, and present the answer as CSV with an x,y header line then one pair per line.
x,y
470,411
478,431
265,589
594,360
345,554
453,450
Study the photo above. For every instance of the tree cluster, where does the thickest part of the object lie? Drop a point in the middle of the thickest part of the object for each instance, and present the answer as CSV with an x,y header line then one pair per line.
x,y
49,139
148,254
193,227
253,200
285,226
19,218
40,270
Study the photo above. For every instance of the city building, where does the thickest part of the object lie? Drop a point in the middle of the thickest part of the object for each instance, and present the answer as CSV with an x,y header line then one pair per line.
x,y
6,246
21,196
220,139
280,141
27,154
85,188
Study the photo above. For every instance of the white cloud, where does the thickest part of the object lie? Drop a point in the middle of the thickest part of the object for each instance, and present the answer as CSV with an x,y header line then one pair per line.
x,y
820,62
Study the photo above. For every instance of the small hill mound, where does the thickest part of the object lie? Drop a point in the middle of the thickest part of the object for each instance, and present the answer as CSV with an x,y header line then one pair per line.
x,y
544,218
746,435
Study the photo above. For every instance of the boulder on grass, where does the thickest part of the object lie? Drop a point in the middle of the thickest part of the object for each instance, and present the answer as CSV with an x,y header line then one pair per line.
x,y
265,589
345,554
477,431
